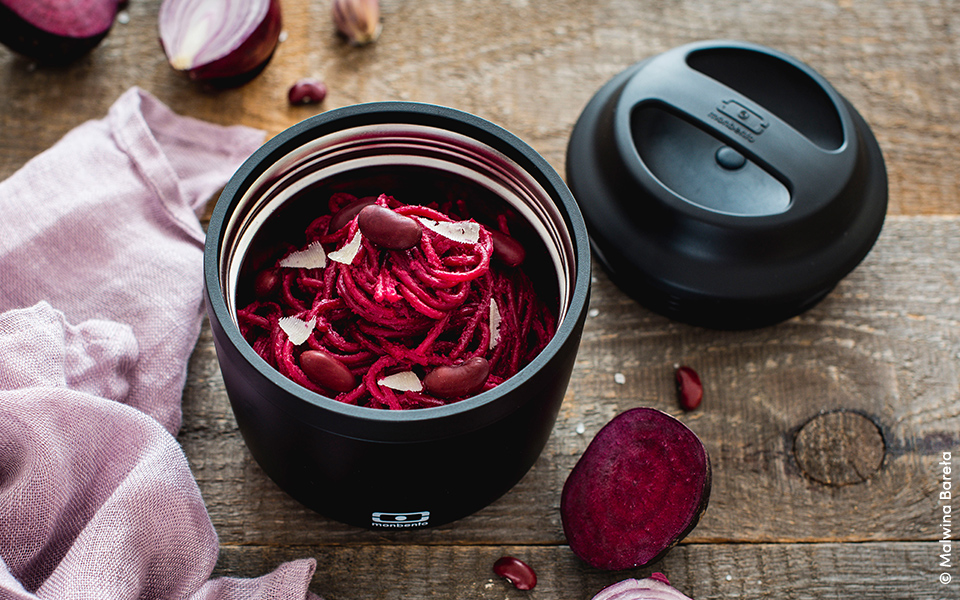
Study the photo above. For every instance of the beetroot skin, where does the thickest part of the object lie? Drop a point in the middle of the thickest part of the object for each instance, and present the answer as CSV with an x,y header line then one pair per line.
x,y
639,488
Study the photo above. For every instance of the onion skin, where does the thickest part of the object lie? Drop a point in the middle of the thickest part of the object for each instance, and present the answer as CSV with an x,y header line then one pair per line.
x,y
238,65
640,589
357,20
55,31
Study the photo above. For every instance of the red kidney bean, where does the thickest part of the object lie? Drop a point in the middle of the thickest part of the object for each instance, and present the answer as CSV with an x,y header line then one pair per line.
x,y
658,576
326,371
507,250
520,574
689,388
307,91
458,380
348,212
266,283
387,229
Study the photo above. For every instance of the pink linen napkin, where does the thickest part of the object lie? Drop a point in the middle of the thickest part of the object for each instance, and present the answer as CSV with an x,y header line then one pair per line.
x,y
100,307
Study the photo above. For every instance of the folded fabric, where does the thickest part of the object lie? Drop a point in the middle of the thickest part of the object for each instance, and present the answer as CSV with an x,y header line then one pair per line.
x,y
103,225
100,308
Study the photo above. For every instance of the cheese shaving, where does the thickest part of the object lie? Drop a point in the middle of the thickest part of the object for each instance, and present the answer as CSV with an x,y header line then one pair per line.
x,y
407,381
494,324
465,232
297,330
311,257
346,254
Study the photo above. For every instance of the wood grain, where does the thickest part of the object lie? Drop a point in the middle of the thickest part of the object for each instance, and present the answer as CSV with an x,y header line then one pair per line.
x,y
839,447
782,571
530,68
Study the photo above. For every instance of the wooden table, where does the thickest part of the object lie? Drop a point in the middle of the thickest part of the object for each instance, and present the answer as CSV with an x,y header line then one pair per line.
x,y
796,417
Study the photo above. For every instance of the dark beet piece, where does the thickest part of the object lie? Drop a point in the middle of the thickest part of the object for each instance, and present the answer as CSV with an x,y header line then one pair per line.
x,y
55,32
639,488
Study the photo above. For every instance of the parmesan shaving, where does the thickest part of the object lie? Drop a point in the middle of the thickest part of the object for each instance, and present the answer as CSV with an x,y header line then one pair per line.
x,y
296,329
407,381
494,324
346,254
465,232
311,257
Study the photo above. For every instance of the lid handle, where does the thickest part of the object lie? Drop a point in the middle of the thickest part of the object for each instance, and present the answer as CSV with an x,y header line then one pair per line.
x,y
810,171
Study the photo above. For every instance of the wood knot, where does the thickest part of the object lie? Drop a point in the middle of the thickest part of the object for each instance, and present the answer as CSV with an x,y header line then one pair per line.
x,y
839,448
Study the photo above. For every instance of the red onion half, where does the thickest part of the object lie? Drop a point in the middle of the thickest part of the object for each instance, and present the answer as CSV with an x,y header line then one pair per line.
x,y
641,589
55,31
222,42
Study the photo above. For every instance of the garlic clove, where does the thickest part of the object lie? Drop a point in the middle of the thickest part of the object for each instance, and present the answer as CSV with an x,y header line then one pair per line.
x,y
357,20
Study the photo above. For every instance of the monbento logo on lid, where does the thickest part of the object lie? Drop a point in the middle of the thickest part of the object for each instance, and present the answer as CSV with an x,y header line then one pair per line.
x,y
739,119
409,519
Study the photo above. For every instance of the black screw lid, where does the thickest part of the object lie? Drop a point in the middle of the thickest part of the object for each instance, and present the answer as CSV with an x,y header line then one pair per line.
x,y
726,184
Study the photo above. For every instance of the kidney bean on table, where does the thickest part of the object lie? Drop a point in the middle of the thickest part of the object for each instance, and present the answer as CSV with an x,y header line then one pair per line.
x,y
388,229
307,91
326,371
519,573
689,388
455,381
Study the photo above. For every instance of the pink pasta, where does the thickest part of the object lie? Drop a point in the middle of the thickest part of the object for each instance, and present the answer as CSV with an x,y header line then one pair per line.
x,y
394,317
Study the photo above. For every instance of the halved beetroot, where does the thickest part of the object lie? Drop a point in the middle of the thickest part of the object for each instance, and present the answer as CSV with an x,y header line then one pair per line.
x,y
639,488
55,31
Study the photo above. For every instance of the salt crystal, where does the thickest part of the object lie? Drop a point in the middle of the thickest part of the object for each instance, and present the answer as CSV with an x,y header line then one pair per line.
x,y
346,254
311,257
593,312
495,320
297,330
619,378
467,232
580,429
406,381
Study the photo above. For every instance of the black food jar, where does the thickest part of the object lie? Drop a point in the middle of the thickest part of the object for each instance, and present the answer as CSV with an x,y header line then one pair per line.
x,y
372,467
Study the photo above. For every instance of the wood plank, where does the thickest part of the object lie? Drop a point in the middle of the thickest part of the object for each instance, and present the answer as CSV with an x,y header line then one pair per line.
x,y
883,345
531,70
870,571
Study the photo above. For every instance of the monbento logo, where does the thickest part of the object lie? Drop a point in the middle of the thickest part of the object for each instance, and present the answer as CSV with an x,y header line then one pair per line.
x,y
410,519
739,119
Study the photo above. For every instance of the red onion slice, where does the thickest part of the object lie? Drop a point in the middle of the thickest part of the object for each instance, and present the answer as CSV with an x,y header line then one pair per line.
x,y
640,589
225,42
